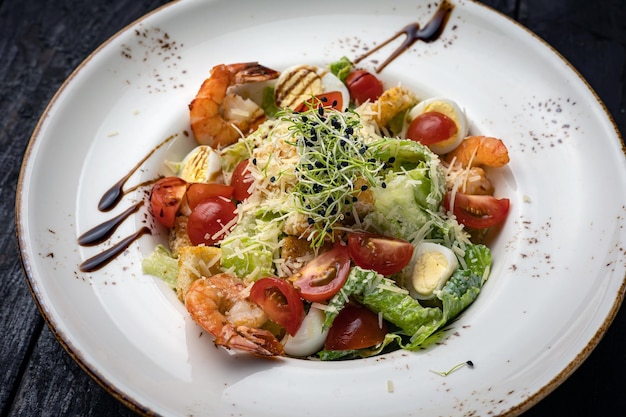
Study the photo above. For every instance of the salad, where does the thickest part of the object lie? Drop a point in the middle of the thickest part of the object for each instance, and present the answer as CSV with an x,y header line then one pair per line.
x,y
333,218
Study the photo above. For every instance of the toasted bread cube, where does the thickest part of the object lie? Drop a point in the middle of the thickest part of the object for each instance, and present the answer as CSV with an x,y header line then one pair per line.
x,y
178,236
196,262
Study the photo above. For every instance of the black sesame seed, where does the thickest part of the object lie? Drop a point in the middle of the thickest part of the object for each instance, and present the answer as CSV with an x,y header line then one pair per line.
x,y
392,160
272,179
383,184
310,220
363,187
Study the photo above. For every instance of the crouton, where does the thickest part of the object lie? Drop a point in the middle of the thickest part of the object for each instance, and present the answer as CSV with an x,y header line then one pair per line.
x,y
178,236
195,262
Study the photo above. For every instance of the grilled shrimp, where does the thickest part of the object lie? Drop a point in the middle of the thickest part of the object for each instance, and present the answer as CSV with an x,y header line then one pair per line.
x,y
479,150
218,118
218,306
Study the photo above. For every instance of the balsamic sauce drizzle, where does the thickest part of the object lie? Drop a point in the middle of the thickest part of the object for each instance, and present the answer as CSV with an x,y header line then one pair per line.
x,y
114,194
414,33
105,230
100,233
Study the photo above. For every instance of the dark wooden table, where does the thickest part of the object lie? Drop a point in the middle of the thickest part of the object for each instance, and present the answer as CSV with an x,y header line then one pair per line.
x,y
42,41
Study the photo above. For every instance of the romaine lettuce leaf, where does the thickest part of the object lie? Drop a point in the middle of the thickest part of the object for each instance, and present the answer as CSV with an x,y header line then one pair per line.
x,y
341,68
161,264
248,250
357,282
420,322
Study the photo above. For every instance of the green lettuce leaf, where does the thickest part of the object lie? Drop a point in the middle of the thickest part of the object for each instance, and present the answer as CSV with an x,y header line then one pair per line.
x,y
420,322
341,68
250,248
357,282
160,263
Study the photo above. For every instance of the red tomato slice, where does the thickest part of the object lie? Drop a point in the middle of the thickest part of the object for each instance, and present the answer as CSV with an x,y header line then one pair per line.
x,y
332,99
322,278
382,254
431,127
166,198
478,211
197,192
241,181
280,301
363,86
208,218
355,327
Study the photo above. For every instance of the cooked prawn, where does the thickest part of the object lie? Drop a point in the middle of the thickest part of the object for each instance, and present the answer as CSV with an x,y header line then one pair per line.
x,y
480,150
218,118
219,306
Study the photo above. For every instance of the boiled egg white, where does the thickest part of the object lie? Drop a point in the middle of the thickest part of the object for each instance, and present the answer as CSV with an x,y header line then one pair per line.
x,y
434,264
202,164
299,83
309,338
447,107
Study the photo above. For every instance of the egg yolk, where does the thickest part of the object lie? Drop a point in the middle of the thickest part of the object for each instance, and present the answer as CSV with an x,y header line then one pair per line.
x,y
428,272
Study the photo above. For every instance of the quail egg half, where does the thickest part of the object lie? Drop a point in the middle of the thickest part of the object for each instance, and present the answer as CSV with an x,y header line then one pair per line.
x,y
310,337
434,265
202,164
438,123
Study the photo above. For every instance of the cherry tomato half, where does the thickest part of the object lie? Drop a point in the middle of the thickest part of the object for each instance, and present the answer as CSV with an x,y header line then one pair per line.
x,y
355,327
363,86
166,198
280,301
385,255
208,218
241,181
198,191
332,99
478,211
431,127
322,278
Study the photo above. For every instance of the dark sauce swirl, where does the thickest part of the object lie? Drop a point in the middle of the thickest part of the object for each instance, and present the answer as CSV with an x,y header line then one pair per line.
x,y
429,33
103,231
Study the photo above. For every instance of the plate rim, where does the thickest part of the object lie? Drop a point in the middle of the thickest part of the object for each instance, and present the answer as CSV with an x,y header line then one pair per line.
x,y
89,368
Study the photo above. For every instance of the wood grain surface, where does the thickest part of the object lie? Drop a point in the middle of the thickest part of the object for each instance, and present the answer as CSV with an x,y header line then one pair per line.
x,y
42,41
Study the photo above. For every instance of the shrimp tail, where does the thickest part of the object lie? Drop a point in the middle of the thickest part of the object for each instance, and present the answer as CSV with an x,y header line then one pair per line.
x,y
219,118
250,72
259,342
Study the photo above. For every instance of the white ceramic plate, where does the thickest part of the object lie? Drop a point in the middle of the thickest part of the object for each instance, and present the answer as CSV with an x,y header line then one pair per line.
x,y
558,276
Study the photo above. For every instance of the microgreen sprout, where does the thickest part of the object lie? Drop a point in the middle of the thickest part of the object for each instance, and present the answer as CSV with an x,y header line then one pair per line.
x,y
332,157
454,368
